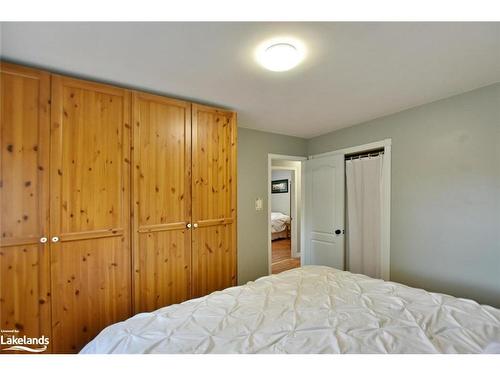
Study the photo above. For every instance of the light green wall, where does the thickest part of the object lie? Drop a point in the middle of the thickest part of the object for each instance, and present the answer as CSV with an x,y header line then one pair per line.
x,y
253,148
445,216
445,208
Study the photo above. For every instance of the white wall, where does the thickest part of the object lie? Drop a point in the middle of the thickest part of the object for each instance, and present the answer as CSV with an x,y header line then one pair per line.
x,y
280,202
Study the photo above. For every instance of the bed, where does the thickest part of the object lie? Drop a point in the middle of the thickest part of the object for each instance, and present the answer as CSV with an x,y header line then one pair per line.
x,y
280,225
313,309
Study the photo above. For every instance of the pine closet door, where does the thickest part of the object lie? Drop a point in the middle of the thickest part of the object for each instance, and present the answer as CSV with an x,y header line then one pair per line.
x,y
90,210
24,182
213,199
162,201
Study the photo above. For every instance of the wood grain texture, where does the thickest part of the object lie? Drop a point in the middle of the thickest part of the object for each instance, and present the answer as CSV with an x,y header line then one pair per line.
x,y
214,199
282,256
214,259
162,201
24,181
90,288
281,249
182,168
163,269
285,265
89,210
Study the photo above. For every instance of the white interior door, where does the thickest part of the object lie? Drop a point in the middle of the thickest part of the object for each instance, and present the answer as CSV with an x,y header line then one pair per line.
x,y
324,211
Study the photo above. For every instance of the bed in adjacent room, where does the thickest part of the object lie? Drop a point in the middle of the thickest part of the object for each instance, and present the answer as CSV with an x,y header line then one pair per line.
x,y
313,309
280,225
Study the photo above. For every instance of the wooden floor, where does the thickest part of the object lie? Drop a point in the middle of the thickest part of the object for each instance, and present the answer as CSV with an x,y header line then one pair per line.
x,y
282,256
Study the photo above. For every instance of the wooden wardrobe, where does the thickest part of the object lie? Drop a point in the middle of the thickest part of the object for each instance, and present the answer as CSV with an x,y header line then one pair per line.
x,y
113,202
184,194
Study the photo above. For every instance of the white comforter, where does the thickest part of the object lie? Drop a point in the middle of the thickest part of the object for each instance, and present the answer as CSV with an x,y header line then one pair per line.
x,y
309,310
279,222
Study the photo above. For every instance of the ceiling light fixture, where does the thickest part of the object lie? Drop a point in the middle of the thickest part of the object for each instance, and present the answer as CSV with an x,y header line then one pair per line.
x,y
280,54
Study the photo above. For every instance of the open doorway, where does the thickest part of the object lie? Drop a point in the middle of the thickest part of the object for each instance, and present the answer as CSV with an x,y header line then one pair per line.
x,y
284,211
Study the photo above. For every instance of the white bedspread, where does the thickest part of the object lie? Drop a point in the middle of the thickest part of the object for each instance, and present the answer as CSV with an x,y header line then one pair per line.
x,y
309,310
279,222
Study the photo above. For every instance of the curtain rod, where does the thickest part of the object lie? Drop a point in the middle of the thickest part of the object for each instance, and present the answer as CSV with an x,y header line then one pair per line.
x,y
365,155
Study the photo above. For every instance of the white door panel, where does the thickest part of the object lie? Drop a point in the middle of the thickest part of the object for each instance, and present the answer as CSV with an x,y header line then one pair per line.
x,y
323,201
324,211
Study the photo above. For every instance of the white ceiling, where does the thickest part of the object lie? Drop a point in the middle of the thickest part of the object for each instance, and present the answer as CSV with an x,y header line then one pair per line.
x,y
354,72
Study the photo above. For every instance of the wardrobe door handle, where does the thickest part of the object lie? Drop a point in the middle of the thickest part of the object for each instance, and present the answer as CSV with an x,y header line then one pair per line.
x,y
43,239
338,231
55,239
195,225
188,225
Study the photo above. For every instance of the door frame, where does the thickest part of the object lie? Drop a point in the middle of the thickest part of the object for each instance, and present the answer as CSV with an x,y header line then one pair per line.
x,y
298,200
385,238
293,212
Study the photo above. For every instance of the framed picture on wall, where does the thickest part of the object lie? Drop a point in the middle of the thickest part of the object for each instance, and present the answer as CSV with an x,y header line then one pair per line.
x,y
279,186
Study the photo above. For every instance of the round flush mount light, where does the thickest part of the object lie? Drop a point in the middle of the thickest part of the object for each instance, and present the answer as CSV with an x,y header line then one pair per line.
x,y
280,54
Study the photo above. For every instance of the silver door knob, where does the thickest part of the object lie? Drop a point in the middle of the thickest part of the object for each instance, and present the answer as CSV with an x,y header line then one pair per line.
x,y
55,239
43,239
188,225
195,225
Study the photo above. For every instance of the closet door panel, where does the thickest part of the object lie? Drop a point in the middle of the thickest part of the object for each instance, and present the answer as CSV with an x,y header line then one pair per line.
x,y
91,290
90,210
214,199
24,261
90,162
162,201
164,263
214,259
